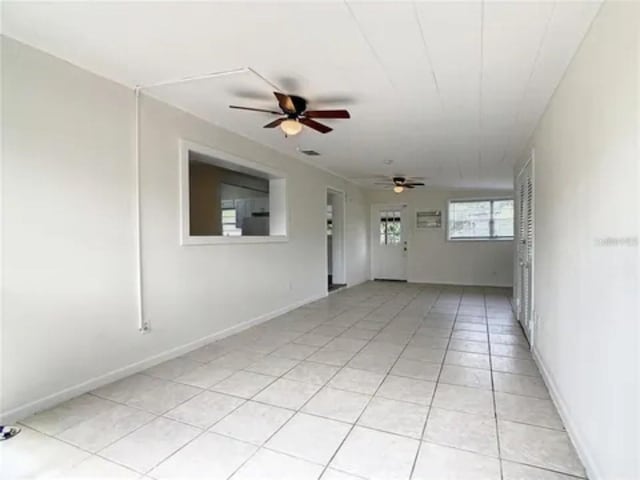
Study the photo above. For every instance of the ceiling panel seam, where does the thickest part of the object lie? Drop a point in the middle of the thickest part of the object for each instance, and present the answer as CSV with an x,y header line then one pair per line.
x,y
369,44
435,77
527,85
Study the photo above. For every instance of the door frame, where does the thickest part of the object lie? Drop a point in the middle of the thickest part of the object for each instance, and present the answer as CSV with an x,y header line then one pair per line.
x,y
529,327
339,242
375,237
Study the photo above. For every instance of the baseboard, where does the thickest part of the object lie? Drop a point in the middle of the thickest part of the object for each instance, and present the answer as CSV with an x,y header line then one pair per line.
x,y
590,465
11,416
460,284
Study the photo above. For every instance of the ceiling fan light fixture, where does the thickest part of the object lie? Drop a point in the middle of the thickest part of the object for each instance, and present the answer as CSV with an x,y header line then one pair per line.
x,y
398,189
291,127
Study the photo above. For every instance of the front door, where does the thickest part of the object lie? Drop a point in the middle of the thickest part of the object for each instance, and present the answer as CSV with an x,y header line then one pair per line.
x,y
389,242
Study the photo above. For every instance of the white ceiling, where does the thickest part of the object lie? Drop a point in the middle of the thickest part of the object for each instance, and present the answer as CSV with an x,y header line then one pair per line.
x,y
450,91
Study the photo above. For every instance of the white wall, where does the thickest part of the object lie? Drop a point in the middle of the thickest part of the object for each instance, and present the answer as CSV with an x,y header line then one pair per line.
x,y
434,259
586,253
69,312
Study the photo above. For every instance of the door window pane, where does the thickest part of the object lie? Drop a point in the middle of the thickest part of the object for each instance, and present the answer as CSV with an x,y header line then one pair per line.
x,y
390,228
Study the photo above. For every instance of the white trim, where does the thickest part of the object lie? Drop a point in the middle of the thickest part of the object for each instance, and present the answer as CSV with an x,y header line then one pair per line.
x,y
185,239
143,325
330,189
43,403
590,465
231,240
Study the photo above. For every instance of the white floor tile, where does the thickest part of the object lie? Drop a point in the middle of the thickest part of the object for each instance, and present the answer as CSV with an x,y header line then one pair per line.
x,y
373,361
95,468
243,384
163,397
287,393
295,351
359,381
210,456
416,369
205,409
521,366
205,376
308,437
394,416
272,365
331,357
253,422
128,388
67,414
313,339
337,404
507,339
346,344
407,390
148,446
268,465
436,462
311,372
539,446
98,432
465,376
32,454
517,471
467,359
514,351
463,399
520,385
433,355
333,474
534,411
470,336
468,346
465,431
238,358
376,455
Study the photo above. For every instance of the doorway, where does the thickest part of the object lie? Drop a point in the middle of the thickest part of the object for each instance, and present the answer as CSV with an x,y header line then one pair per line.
x,y
335,222
389,242
525,249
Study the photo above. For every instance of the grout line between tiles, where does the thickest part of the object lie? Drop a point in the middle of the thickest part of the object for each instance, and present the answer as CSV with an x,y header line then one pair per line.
x,y
435,388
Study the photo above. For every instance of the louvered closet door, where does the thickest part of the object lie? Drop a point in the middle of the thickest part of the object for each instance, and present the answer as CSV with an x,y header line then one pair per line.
x,y
525,250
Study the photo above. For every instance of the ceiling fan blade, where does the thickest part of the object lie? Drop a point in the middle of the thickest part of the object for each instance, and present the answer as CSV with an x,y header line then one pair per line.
x,y
275,123
414,184
285,102
408,185
327,114
315,125
254,109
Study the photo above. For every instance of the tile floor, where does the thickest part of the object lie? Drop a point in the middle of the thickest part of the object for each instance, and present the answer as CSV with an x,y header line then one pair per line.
x,y
380,381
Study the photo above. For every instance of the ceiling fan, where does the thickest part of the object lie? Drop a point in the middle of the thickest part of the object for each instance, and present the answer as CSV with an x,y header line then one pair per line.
x,y
294,109
399,183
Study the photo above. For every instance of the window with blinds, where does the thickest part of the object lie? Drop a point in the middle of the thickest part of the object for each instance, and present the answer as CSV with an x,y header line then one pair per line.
x,y
480,219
